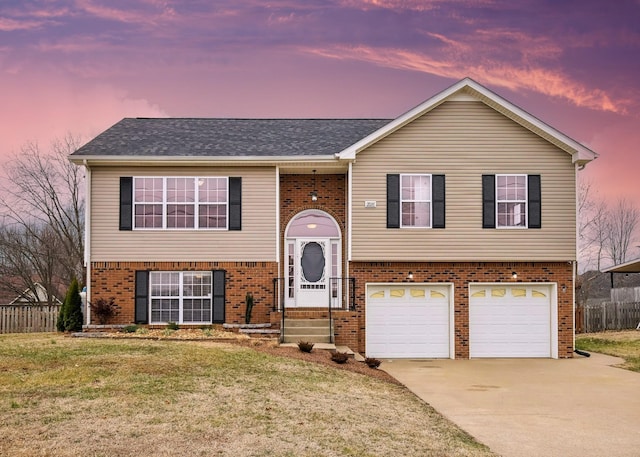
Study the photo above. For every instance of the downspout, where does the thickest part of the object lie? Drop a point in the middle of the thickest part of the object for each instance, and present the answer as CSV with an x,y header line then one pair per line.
x,y
277,295
87,240
349,225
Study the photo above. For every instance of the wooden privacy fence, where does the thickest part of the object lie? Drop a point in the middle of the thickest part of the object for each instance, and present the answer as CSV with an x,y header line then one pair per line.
x,y
598,317
28,318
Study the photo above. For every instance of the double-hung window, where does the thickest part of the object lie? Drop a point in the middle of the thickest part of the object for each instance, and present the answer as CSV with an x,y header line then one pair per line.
x,y
511,201
415,200
181,297
180,202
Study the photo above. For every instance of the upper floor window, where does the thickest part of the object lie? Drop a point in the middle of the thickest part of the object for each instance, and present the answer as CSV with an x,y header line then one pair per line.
x,y
180,202
511,200
415,200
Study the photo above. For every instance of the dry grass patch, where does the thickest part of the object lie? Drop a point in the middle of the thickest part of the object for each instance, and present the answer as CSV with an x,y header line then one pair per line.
x,y
625,344
61,396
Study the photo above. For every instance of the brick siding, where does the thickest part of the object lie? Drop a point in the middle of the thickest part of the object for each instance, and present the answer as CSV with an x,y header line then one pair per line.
x,y
117,279
463,274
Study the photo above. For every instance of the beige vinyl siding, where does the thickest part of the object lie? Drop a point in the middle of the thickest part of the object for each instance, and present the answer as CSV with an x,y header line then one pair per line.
x,y
255,242
463,141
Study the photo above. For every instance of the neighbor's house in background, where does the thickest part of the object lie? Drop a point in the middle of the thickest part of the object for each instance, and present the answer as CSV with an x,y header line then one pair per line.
x,y
449,231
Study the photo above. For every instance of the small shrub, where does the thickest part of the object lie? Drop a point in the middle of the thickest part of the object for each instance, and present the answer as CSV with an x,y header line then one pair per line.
x,y
172,326
168,331
372,363
248,300
130,329
70,314
207,331
340,357
142,331
104,309
305,346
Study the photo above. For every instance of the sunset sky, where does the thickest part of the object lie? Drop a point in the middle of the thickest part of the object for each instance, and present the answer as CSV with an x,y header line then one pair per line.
x,y
79,66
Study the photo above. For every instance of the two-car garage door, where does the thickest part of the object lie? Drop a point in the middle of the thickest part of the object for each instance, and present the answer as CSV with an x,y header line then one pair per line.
x,y
505,320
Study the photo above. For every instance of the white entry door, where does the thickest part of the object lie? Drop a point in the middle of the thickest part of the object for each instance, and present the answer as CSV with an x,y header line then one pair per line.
x,y
312,272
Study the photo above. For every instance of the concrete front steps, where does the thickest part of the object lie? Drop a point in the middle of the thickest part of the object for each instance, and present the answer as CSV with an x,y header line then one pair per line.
x,y
311,330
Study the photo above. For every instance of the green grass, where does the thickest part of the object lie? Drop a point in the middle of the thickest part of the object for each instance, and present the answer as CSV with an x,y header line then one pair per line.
x,y
62,396
624,344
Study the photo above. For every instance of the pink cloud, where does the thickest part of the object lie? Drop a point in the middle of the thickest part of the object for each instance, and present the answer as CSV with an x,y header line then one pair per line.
x,y
513,77
162,12
10,25
52,110
411,5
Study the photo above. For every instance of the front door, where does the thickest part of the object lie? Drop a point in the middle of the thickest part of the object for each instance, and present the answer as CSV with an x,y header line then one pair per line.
x,y
312,272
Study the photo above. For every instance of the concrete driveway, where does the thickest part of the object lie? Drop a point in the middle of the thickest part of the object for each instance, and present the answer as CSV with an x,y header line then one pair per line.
x,y
533,407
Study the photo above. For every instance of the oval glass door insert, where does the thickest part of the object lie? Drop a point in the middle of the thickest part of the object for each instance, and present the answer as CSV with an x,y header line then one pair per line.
x,y
312,262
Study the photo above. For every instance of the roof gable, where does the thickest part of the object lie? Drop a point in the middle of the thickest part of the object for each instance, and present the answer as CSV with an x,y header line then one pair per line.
x,y
470,90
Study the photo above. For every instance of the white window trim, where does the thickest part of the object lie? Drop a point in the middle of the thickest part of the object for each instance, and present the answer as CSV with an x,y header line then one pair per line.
x,y
165,203
525,201
430,201
181,297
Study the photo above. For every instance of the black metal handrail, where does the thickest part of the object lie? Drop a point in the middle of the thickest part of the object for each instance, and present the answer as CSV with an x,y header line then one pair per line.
x,y
342,288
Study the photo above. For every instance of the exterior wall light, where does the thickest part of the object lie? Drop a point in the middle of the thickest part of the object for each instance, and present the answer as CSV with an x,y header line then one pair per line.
x,y
314,192
514,275
410,276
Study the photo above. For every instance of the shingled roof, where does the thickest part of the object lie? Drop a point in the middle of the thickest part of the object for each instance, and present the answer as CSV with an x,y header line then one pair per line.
x,y
168,137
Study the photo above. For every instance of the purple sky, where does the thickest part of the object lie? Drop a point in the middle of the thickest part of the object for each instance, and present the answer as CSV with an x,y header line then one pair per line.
x,y
79,66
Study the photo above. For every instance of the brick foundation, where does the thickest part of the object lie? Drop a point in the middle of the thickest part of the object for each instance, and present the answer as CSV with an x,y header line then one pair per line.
x,y
117,279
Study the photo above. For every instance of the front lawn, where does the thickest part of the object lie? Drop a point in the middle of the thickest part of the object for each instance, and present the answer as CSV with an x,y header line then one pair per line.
x,y
624,344
62,396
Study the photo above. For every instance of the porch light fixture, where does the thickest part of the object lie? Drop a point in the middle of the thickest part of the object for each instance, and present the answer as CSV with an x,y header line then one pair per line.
x,y
410,276
314,193
514,275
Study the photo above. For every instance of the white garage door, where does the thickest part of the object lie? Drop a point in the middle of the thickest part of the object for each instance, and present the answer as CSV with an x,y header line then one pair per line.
x,y
511,320
408,321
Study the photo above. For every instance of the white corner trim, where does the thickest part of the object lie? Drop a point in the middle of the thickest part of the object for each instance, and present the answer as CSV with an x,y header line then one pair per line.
x,y
278,218
349,209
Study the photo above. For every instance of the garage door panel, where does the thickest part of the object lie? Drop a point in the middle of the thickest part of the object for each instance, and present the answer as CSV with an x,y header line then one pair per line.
x,y
510,321
407,321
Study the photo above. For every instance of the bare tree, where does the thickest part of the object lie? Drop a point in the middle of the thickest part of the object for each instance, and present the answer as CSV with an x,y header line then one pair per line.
x,y
593,225
29,256
623,220
42,195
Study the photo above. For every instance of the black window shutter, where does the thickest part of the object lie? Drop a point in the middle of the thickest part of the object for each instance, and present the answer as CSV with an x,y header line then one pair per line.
x,y
534,204
142,297
488,201
438,197
393,201
218,296
235,203
126,202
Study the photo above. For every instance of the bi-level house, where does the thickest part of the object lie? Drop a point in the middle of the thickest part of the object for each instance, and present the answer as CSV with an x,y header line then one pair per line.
x,y
449,231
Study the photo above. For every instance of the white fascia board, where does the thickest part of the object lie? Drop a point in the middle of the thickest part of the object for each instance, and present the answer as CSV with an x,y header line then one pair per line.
x,y
580,153
199,160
